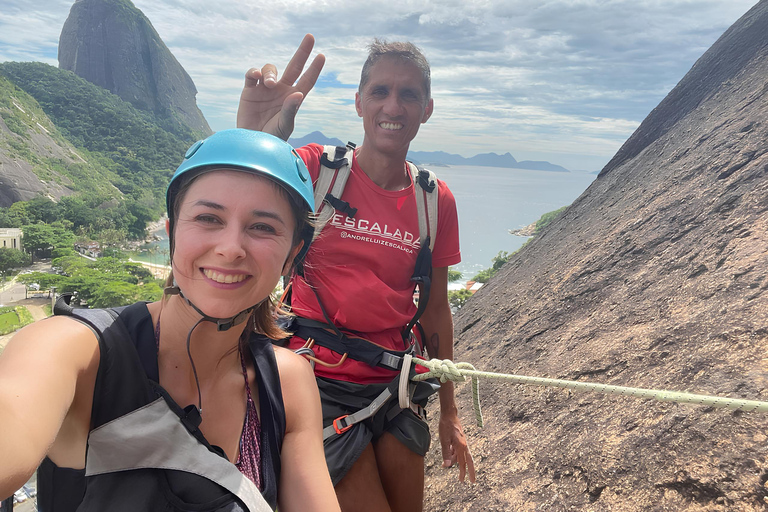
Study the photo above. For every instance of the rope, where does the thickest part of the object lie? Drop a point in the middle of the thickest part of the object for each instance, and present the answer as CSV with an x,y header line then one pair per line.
x,y
445,370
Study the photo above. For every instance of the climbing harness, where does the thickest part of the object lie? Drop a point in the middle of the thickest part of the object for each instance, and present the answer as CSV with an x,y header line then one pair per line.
x,y
445,370
335,169
401,387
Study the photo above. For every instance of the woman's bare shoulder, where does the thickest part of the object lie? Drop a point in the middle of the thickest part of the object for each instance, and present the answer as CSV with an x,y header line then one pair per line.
x,y
292,366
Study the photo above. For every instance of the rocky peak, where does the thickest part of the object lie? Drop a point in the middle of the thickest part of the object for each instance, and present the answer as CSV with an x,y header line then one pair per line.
x,y
112,44
656,277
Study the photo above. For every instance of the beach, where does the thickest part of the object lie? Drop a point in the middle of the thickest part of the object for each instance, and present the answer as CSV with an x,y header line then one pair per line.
x,y
159,271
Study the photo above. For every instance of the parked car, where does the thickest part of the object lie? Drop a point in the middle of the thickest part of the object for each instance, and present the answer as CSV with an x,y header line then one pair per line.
x,y
34,286
19,496
30,490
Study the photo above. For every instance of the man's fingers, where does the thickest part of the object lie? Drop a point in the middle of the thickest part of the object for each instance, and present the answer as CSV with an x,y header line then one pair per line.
x,y
446,450
308,79
471,466
288,114
269,75
296,65
252,77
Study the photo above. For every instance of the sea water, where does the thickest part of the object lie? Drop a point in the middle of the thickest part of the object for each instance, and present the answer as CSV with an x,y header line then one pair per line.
x,y
493,200
490,201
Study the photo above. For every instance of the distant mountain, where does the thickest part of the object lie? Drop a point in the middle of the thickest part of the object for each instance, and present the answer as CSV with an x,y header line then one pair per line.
x,y
442,158
112,44
540,165
481,160
314,137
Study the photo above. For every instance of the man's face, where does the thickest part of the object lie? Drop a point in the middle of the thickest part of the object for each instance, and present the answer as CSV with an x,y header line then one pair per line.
x,y
393,103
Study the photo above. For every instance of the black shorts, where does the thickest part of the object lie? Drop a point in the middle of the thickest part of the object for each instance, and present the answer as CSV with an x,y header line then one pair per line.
x,y
340,398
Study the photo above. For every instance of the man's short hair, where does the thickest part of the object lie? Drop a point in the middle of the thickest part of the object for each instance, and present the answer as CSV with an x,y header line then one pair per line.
x,y
402,50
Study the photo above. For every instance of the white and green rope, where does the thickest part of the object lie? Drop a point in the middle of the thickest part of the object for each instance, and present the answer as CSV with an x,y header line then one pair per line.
x,y
446,370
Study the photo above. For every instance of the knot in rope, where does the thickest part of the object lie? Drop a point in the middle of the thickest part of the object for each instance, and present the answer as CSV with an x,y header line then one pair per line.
x,y
442,369
445,370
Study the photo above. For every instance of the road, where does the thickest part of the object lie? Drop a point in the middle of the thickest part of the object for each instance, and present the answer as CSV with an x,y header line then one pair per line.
x,y
15,294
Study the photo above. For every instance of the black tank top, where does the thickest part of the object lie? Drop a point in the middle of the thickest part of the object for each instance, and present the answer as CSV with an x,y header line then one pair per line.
x,y
126,389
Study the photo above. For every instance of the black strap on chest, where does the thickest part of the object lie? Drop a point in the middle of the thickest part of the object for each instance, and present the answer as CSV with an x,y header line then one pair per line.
x,y
422,274
131,382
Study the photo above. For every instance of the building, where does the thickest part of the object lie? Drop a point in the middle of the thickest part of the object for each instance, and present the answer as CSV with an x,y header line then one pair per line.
x,y
92,249
11,238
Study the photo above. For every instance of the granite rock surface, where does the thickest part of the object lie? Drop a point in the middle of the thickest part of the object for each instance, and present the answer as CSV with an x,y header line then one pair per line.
x,y
656,277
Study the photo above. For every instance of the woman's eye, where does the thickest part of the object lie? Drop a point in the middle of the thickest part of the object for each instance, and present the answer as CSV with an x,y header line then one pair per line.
x,y
207,219
263,227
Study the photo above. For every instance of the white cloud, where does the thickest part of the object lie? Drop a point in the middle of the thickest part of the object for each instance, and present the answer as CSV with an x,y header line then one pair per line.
x,y
566,78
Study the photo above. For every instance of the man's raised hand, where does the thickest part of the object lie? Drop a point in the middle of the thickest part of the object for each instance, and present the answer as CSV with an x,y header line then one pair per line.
x,y
269,104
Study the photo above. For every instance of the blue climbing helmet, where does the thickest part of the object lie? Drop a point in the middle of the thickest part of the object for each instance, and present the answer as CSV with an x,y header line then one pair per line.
x,y
248,151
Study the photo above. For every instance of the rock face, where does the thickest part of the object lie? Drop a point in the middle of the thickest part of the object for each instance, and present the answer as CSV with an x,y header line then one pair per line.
x,y
112,44
26,146
656,277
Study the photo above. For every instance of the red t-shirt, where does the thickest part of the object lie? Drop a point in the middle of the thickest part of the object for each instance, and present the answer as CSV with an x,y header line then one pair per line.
x,y
361,267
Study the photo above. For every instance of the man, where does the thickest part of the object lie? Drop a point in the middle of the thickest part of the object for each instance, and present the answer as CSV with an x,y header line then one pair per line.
x,y
356,279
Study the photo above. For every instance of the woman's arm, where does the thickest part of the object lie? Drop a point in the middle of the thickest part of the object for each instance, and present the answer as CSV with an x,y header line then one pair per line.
x,y
305,484
47,376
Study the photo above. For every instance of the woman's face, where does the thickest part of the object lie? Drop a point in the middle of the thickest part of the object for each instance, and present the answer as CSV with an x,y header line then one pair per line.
x,y
233,240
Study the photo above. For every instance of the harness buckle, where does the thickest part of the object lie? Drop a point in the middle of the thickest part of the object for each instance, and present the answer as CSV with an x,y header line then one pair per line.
x,y
342,429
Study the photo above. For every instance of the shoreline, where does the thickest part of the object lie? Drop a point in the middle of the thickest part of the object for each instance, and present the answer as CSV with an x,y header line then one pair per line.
x,y
155,226
159,271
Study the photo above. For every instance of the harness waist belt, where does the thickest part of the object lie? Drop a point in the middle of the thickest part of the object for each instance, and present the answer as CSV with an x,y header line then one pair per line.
x,y
359,349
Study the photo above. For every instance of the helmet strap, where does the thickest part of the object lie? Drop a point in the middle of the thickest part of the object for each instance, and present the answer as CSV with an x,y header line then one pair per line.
x,y
222,324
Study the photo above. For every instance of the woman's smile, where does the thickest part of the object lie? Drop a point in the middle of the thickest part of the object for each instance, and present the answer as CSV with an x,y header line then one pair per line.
x,y
233,238
224,277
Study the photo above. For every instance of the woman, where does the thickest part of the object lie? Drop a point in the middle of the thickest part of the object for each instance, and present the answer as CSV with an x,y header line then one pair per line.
x,y
238,210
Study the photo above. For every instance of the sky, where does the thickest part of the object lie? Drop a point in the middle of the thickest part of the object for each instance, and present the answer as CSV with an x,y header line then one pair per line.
x,y
567,81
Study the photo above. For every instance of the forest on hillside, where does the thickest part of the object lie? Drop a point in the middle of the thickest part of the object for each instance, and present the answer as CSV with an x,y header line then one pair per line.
x,y
133,151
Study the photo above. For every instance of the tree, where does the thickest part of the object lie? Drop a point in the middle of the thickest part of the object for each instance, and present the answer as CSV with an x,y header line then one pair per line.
x,y
44,279
43,209
457,298
454,275
498,261
113,294
41,239
11,259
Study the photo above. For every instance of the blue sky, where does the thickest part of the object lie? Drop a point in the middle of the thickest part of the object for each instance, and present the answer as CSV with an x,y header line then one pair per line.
x,y
560,80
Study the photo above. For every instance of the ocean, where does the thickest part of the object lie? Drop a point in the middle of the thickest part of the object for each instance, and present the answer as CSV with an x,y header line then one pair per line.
x,y
490,200
493,200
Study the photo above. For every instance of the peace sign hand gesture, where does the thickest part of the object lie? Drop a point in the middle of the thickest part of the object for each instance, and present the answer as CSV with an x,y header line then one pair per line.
x,y
270,105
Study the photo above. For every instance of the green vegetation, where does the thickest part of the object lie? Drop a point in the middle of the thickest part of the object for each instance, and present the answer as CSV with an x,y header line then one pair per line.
x,y
498,261
90,216
124,157
116,158
454,275
106,282
457,298
11,259
25,317
547,218
44,240
502,257
95,119
13,318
